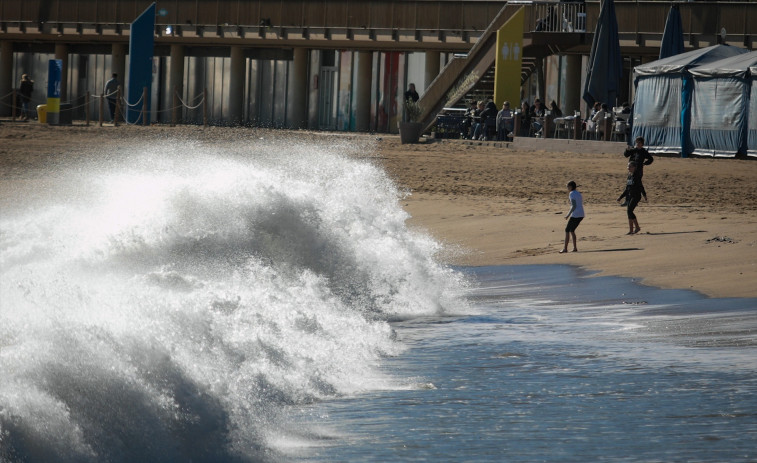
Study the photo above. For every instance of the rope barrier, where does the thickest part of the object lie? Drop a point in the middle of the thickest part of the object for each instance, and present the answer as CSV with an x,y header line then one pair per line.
x,y
202,100
107,95
132,105
123,108
168,109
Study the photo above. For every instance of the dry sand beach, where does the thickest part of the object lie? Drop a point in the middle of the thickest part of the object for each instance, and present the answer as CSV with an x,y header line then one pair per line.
x,y
493,204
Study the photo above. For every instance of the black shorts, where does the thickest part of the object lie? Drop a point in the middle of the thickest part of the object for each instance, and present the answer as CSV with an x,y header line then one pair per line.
x,y
573,224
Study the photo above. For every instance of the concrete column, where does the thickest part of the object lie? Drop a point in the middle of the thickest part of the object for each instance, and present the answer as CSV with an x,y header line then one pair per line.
x,y
61,53
541,81
176,71
236,85
573,88
298,96
432,67
363,93
6,76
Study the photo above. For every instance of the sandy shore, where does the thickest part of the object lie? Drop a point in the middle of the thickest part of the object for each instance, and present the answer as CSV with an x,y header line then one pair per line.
x,y
494,205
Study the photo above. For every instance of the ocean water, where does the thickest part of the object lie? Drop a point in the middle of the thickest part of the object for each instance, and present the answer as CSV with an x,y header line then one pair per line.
x,y
240,301
554,364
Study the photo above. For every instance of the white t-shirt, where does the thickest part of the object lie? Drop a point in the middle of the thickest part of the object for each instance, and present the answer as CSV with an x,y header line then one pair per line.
x,y
579,210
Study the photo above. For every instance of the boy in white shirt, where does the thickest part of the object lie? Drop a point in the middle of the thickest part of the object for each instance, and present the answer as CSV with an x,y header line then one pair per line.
x,y
574,215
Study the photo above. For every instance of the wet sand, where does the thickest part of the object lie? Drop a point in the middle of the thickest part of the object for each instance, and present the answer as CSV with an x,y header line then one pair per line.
x,y
494,205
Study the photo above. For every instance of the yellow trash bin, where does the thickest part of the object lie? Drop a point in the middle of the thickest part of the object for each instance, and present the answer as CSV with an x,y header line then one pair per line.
x,y
42,113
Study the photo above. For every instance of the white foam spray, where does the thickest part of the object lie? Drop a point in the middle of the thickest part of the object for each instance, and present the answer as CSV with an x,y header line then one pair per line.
x,y
169,305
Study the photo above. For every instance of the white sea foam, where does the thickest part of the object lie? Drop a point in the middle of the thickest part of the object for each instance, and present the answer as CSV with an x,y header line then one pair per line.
x,y
170,305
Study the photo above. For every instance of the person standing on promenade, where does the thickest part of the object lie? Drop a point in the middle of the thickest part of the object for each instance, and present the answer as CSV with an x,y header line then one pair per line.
x,y
504,122
25,89
111,93
412,94
574,216
633,194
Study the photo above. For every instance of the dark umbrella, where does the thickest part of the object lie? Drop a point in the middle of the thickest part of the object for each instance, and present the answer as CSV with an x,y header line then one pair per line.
x,y
605,67
672,38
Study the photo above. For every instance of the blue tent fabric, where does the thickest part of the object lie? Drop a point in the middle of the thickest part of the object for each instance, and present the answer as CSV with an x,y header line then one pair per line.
x,y
720,106
683,61
605,66
662,108
672,37
752,116
657,113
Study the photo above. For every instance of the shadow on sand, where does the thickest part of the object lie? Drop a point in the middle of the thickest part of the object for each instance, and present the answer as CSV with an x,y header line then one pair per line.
x,y
675,233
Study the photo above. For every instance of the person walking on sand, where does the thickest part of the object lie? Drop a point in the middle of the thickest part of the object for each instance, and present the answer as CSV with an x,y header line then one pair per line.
x,y
574,216
633,194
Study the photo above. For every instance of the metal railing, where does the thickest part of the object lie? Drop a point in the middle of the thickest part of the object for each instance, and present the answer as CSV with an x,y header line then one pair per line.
x,y
466,19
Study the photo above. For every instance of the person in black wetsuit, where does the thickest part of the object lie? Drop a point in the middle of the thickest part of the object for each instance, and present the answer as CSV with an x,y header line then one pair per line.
x,y
640,156
633,193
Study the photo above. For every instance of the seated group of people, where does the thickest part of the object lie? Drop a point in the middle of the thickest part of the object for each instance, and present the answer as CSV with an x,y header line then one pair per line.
x,y
600,111
532,117
478,120
484,122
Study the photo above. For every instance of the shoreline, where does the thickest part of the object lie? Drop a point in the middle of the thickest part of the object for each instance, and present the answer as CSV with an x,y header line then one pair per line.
x,y
492,204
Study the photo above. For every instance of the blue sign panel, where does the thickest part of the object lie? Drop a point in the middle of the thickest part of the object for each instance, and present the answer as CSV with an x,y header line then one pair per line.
x,y
141,43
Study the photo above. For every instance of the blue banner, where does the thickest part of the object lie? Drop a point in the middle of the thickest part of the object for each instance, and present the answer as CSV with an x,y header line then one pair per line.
x,y
54,78
141,44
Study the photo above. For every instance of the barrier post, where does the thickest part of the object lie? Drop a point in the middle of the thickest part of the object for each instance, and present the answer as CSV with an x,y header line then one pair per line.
x,y
86,108
205,107
118,107
516,125
144,105
577,128
607,129
14,102
102,108
174,109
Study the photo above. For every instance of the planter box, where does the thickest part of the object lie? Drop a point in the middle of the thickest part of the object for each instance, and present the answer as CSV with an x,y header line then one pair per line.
x,y
410,132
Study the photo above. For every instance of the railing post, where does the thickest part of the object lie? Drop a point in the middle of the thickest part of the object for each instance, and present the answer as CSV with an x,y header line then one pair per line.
x,y
174,109
577,128
144,106
607,128
86,108
516,125
14,102
547,130
205,107
102,108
